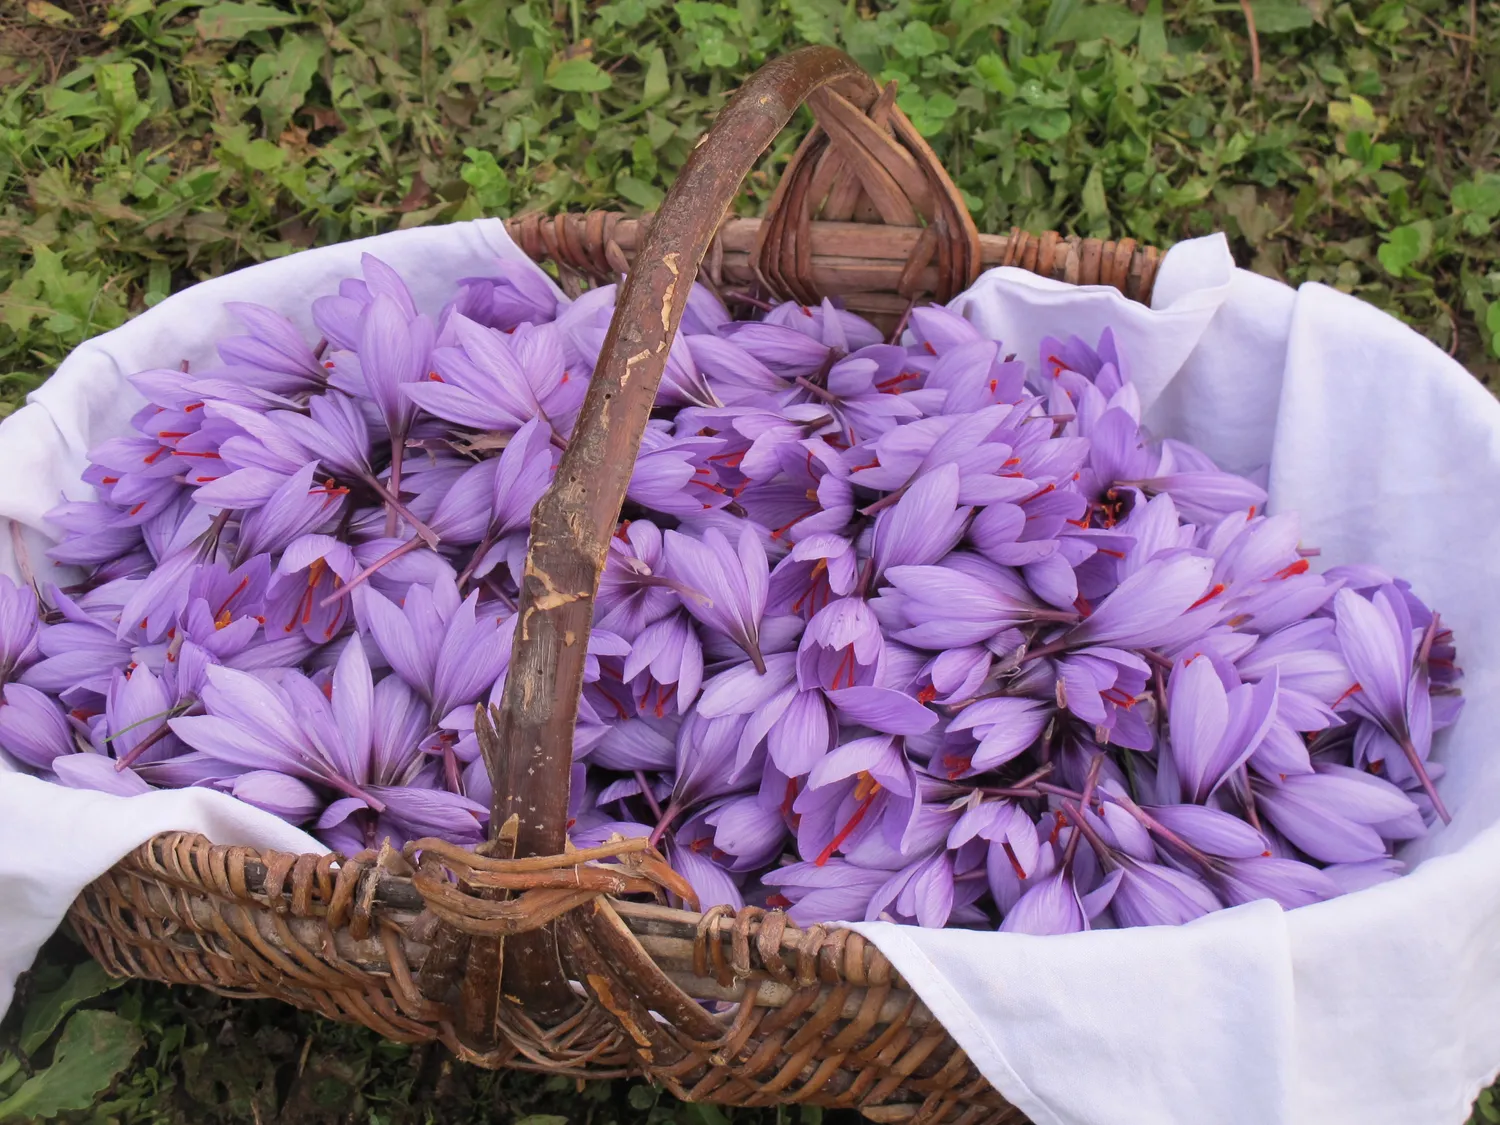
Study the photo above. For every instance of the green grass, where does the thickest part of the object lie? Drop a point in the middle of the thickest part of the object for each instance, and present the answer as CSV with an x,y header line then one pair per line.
x,y
144,146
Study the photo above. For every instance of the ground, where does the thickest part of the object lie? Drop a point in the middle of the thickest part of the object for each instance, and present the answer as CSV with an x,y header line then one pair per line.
x,y
145,145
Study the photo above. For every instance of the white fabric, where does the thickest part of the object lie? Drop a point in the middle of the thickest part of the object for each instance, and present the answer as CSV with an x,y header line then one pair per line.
x,y
1379,1008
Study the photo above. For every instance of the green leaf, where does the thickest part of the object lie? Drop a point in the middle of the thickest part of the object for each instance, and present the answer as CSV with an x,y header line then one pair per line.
x,y
1057,15
295,66
490,183
1153,42
543,1119
917,40
1100,21
45,1012
1273,17
643,195
1481,196
579,76
1405,246
1492,322
642,1097
47,13
657,84
235,21
1094,205
95,1047
705,1114
993,72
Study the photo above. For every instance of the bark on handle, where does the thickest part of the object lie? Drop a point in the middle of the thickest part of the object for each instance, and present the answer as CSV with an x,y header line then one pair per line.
x,y
572,524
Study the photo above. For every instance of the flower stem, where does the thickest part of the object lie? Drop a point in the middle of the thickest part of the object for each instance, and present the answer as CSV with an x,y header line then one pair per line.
x,y
1421,771
640,777
389,557
479,552
398,448
134,754
426,533
673,811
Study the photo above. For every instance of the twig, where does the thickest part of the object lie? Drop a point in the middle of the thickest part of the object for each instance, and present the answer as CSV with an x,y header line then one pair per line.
x,y
1255,41
1473,39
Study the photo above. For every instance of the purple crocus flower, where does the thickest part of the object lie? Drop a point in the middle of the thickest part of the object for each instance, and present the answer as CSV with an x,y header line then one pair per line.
x,y
841,647
1051,905
80,652
1377,641
1339,815
633,590
725,585
942,607
521,294
676,475
96,771
1214,729
273,356
1010,833
1005,728
836,891
435,642
33,729
748,835
931,890
665,665
19,625
847,792
818,569
923,526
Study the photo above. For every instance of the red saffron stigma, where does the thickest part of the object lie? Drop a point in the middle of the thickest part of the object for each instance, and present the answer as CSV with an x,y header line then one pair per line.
x,y
1217,589
845,832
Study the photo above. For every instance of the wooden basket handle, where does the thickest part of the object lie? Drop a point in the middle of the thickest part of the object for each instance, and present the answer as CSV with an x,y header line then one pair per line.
x,y
573,522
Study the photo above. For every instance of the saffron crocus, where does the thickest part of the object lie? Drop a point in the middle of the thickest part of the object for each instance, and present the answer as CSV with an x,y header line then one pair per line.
x,y
691,854
1338,815
1377,641
311,569
1004,727
1051,905
676,475
665,665
725,586
78,653
1008,830
1148,607
747,835
273,355
33,729
842,646
818,569
98,772
1214,729
846,794
921,628
923,526
518,295
836,891
19,625
436,642
943,607
633,588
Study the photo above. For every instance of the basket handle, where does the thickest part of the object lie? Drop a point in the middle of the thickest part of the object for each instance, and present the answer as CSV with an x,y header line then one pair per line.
x,y
573,522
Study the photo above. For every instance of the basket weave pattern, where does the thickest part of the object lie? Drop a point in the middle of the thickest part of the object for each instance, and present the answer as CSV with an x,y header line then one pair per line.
x,y
739,1008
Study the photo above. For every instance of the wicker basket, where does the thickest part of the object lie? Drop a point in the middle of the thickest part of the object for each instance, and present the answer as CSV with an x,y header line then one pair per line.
x,y
535,955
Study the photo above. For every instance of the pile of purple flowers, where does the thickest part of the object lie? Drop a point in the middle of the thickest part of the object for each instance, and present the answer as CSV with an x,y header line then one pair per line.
x,y
901,630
